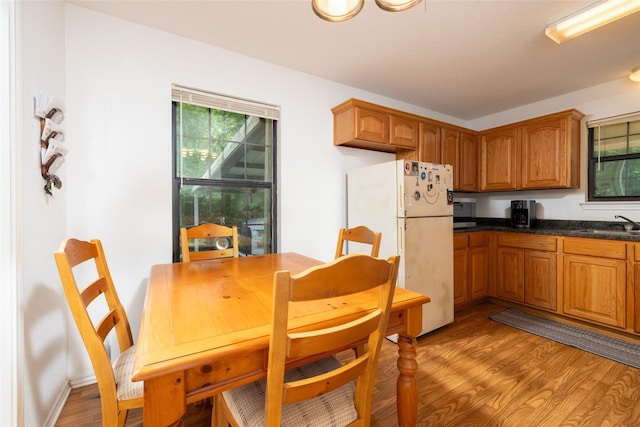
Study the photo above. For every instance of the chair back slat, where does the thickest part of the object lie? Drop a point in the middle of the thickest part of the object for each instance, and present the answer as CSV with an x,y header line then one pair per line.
x,y
106,325
297,391
93,291
301,344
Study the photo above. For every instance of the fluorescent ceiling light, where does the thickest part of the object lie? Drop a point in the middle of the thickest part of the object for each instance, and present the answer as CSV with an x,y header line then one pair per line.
x,y
590,18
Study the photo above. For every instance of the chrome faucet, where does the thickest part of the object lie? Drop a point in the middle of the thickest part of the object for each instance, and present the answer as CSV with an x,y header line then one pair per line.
x,y
634,226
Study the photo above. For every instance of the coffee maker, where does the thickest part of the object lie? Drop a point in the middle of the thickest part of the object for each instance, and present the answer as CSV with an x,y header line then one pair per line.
x,y
523,213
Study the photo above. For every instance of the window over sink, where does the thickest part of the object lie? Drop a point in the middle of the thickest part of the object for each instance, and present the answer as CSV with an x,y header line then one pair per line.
x,y
614,159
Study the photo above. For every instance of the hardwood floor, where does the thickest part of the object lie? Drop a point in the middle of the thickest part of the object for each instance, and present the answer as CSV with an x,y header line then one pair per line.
x,y
474,372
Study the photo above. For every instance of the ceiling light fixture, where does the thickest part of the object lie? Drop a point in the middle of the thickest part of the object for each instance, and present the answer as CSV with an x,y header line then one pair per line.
x,y
635,74
396,5
590,18
342,10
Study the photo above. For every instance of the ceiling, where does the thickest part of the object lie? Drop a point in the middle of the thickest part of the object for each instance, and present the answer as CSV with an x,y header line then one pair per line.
x,y
464,58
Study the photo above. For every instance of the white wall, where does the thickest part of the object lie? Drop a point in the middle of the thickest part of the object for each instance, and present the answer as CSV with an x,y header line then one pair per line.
x,y
606,100
42,225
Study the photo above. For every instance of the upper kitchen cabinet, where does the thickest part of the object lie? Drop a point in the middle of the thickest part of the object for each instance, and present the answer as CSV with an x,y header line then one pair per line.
x,y
361,124
540,153
551,151
460,150
450,153
468,178
404,131
429,146
499,159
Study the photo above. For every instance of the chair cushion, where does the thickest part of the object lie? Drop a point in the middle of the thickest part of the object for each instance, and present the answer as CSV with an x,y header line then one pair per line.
x,y
335,408
123,370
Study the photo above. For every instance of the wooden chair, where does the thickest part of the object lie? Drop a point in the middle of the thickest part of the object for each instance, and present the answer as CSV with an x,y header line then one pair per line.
x,y
218,236
324,390
118,393
360,234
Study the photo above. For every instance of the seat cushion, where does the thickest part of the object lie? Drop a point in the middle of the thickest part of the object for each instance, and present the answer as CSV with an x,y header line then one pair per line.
x,y
123,370
335,408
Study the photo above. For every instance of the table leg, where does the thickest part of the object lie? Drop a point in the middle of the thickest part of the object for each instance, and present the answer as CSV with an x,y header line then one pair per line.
x,y
164,401
407,390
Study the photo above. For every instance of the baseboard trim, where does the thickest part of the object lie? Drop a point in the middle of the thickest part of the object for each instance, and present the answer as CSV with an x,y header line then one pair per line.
x,y
58,405
69,385
82,381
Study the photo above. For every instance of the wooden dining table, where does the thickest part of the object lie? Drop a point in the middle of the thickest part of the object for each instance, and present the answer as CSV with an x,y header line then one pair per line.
x,y
206,324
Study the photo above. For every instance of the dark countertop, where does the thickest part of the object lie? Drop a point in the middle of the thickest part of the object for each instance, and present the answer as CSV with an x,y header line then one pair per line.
x,y
567,228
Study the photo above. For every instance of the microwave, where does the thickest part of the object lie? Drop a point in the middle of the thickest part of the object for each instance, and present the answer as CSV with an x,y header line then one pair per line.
x,y
464,212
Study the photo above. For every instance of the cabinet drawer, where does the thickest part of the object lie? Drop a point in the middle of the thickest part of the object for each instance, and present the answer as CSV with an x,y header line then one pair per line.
x,y
595,247
636,251
528,241
478,239
460,240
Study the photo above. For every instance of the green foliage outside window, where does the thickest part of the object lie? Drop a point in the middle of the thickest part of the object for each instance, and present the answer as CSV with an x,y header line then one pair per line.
x,y
224,173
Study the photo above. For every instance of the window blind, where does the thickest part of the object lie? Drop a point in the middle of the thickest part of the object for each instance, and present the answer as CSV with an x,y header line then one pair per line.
x,y
631,117
224,102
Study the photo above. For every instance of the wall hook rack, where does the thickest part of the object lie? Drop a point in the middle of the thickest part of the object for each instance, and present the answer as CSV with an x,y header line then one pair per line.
x,y
52,147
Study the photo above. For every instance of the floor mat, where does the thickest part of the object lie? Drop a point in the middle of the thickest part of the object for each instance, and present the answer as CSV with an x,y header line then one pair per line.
x,y
602,345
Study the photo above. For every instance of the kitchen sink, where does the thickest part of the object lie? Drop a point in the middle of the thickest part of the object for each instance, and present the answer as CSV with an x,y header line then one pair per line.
x,y
612,232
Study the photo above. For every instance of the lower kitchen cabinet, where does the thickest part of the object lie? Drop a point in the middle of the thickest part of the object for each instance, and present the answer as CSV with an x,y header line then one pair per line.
x,y
540,269
636,289
471,267
595,280
510,274
527,269
478,265
460,269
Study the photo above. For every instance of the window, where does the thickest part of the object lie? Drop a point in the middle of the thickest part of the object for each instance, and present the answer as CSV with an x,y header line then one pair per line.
x,y
614,159
224,167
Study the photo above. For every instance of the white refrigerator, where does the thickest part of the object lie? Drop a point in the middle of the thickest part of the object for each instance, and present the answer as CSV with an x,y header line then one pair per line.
x,y
411,203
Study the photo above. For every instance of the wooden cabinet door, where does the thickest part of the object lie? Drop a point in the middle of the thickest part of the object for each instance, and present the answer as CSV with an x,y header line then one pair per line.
x,y
404,131
478,272
371,125
460,276
468,160
460,268
595,289
450,153
429,146
499,158
636,305
545,147
510,274
540,288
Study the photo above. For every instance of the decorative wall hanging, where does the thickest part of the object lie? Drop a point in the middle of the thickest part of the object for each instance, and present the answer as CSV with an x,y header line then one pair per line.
x,y
50,110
